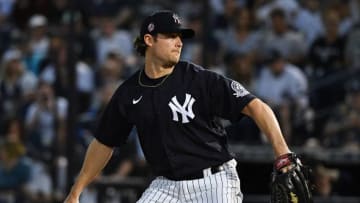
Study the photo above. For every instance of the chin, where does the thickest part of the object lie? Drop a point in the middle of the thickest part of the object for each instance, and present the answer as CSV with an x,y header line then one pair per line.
x,y
171,63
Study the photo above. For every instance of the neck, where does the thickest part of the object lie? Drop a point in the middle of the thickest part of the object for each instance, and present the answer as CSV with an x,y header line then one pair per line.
x,y
156,70
331,37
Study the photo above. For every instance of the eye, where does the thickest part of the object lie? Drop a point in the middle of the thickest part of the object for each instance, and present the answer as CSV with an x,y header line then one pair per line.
x,y
174,35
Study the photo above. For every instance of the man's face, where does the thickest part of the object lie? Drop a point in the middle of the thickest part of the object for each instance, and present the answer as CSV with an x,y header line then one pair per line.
x,y
331,22
14,67
313,5
277,67
278,24
166,48
108,26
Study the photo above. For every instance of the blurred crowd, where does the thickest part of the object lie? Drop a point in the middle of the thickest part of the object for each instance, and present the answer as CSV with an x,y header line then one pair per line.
x,y
302,57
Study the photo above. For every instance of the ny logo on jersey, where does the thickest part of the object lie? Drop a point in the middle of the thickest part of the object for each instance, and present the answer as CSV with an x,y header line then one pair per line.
x,y
185,110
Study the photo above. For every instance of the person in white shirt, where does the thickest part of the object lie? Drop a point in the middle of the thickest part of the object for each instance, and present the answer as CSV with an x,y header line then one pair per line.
x,y
284,87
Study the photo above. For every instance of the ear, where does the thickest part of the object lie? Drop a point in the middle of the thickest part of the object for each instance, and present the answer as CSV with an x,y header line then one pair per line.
x,y
148,39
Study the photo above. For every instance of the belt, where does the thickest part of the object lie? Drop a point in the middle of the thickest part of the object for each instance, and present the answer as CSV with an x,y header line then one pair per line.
x,y
200,174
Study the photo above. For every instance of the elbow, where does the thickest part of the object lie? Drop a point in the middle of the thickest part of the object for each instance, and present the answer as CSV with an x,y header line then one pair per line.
x,y
256,107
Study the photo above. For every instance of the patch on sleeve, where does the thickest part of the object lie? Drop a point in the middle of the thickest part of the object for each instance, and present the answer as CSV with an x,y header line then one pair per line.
x,y
239,90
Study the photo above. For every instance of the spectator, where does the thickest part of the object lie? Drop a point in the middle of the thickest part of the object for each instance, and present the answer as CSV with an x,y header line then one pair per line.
x,y
40,186
17,85
264,10
284,87
290,43
241,67
38,42
84,44
112,71
225,13
10,90
326,54
240,36
56,73
343,127
6,7
324,180
45,123
347,18
193,49
14,171
111,39
13,130
308,21
326,59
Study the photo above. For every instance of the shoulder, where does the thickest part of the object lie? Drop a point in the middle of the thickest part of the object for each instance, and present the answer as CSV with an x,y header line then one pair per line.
x,y
189,66
294,70
122,91
131,82
196,74
196,69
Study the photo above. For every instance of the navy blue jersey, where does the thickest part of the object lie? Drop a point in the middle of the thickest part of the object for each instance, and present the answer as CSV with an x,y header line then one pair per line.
x,y
177,118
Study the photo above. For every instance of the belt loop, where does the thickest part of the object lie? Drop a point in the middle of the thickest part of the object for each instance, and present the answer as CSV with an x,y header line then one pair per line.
x,y
207,172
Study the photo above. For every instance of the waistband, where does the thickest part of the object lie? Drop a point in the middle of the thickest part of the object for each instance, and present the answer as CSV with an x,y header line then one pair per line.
x,y
205,172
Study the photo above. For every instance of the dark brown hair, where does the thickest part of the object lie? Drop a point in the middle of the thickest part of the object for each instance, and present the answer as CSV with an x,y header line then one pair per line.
x,y
140,46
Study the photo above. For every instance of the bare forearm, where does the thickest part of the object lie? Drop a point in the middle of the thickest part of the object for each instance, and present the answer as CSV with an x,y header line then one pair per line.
x,y
96,158
265,119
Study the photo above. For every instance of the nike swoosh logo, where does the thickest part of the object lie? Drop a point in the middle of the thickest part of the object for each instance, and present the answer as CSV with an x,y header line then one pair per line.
x,y
137,100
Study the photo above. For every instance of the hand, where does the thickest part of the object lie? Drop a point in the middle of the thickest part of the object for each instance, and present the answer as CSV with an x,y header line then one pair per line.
x,y
290,180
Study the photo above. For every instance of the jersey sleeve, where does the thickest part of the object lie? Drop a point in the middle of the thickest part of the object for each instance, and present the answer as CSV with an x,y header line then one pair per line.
x,y
228,97
113,128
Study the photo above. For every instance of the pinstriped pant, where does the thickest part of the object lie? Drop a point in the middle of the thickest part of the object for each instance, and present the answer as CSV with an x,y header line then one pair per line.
x,y
221,187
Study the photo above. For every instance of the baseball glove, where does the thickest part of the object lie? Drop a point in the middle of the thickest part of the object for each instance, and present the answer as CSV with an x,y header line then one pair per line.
x,y
290,181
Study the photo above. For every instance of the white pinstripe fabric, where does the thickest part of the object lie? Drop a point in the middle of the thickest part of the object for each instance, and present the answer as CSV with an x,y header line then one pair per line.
x,y
222,187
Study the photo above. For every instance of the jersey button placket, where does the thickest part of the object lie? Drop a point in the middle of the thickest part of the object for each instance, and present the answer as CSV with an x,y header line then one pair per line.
x,y
158,95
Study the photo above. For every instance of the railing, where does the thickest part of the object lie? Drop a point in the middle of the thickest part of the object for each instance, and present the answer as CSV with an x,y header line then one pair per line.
x,y
133,187
264,154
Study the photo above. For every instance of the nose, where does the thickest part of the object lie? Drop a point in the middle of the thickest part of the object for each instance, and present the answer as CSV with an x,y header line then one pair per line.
x,y
179,42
